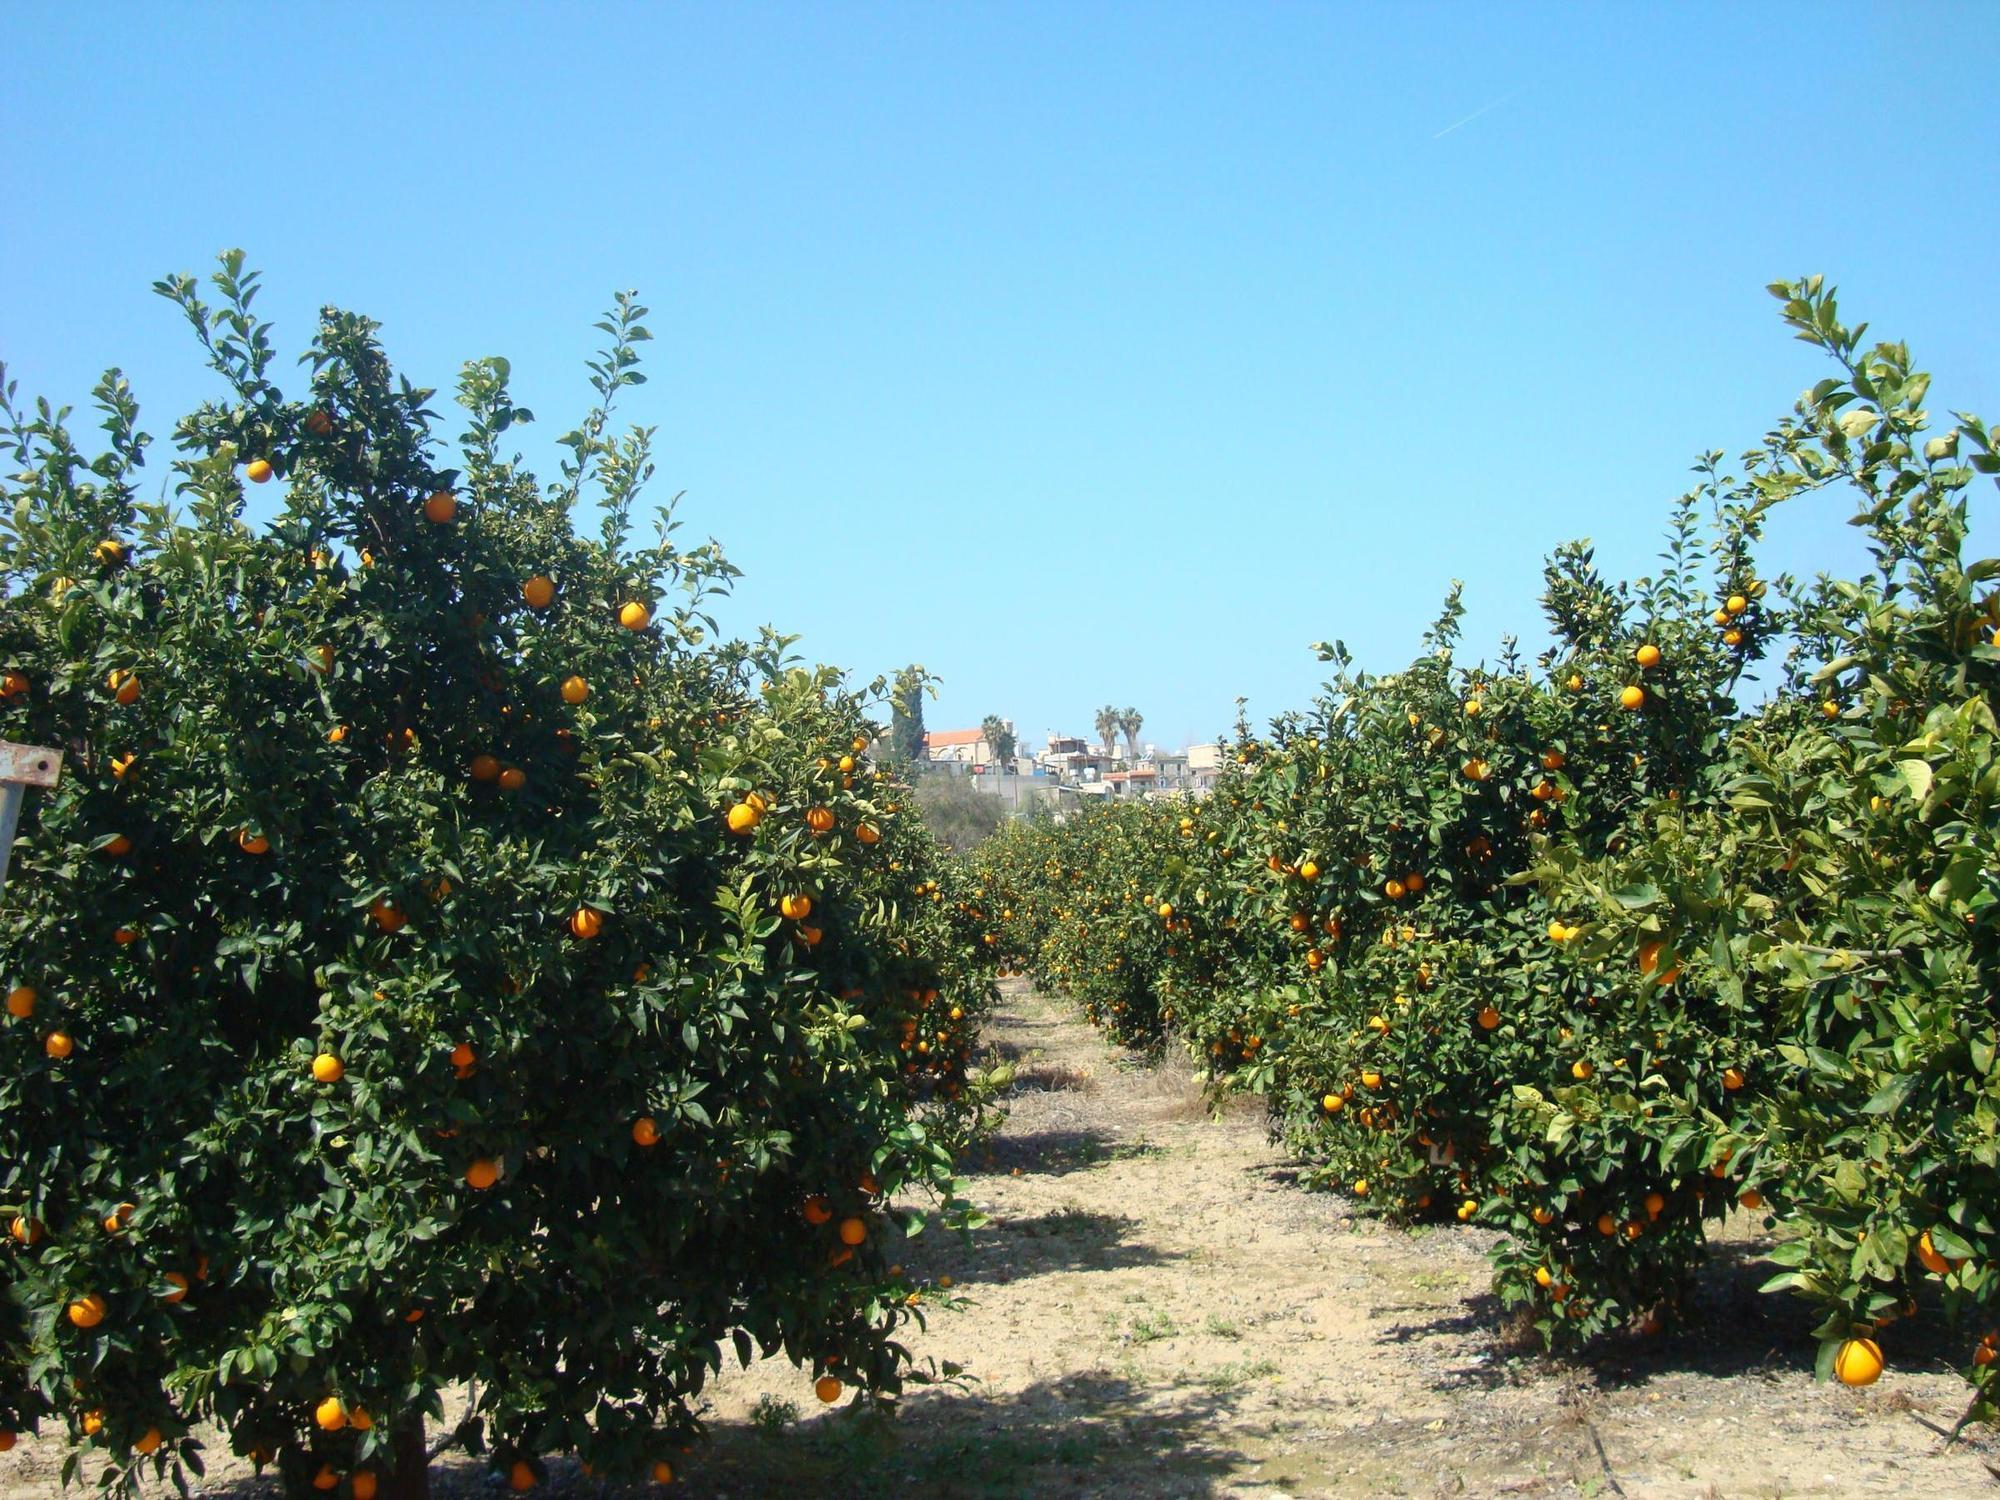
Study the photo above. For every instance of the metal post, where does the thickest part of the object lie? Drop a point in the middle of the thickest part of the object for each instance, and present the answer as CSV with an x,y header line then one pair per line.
x,y
21,766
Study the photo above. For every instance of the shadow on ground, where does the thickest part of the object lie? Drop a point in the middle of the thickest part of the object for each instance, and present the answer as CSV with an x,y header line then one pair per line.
x,y
1020,1247
1057,1153
1095,1434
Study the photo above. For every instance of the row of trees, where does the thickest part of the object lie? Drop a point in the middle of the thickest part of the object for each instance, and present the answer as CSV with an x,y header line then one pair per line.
x,y
443,963
1593,950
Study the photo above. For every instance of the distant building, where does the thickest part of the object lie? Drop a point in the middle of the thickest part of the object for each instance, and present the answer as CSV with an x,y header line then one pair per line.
x,y
959,749
1204,767
1072,760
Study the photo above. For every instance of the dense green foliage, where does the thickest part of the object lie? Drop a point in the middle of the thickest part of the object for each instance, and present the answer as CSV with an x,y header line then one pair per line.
x,y
439,963
1595,951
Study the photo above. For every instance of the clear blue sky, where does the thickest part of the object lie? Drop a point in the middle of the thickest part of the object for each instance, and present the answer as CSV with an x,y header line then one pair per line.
x,y
1084,353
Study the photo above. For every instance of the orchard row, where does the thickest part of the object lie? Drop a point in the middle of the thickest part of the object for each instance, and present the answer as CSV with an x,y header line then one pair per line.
x,y
1599,949
442,964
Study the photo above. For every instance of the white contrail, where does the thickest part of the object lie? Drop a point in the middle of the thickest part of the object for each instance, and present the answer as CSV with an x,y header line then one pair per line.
x,y
1483,109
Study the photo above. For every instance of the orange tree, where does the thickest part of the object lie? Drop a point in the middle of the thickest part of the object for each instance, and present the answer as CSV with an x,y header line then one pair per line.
x,y
1835,913
1581,951
439,962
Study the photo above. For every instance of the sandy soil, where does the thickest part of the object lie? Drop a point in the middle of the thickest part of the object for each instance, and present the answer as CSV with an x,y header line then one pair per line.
x,y
1154,1311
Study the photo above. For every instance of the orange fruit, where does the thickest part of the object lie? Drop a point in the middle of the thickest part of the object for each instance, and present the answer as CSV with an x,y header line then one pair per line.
x,y
1936,1264
1488,1018
521,1477
59,1044
1543,1216
585,923
1633,697
482,1174
1647,655
663,1472
868,833
21,1002
319,423
1655,1203
646,1131
87,1311
252,843
635,616
574,690
330,1414
1732,637
1649,960
484,768
1829,709
819,819
326,1479
1574,683
797,907
853,1231
827,1388
123,687
388,917
328,1068
1393,889
1858,1362
257,471
1581,1070
1751,1199
117,847
440,508
179,1284
513,779
362,1485
1736,604
6,1440
1606,1224
1476,769
539,592
743,818
359,1420
816,1210
13,684
26,1231
1308,871
1732,1079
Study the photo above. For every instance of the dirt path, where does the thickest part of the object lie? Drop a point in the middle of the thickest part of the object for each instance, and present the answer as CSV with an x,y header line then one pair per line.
x,y
1155,1311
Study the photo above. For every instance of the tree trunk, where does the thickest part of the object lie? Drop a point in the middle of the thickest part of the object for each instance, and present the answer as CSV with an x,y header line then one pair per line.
x,y
411,1478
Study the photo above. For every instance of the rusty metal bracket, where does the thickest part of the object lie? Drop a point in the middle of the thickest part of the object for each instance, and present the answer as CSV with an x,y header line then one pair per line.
x,y
21,766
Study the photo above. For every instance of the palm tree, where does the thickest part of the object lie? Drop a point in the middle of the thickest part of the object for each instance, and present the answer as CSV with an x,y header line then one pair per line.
x,y
1132,721
1000,738
1109,722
